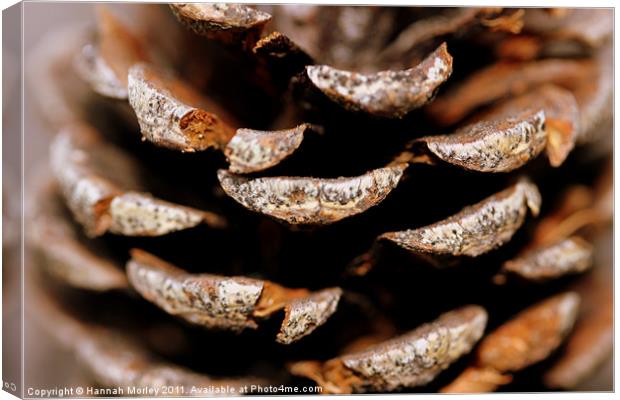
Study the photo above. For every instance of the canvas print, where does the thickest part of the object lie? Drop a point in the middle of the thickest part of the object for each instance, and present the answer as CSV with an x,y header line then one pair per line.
x,y
297,199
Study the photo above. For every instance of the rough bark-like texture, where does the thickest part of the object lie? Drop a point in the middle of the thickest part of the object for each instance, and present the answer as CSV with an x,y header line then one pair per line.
x,y
501,80
568,256
561,118
92,176
476,229
139,214
251,150
228,93
306,314
530,336
390,94
210,300
234,303
230,23
410,360
300,200
87,194
499,145
418,357
170,113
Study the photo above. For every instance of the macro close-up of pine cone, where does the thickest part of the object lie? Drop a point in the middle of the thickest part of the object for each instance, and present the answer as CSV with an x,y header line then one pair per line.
x,y
316,199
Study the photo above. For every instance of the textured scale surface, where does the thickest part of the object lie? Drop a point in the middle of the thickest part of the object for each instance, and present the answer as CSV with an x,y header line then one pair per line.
x,y
251,150
409,360
234,303
84,168
493,146
386,93
209,300
299,200
476,229
169,115
305,314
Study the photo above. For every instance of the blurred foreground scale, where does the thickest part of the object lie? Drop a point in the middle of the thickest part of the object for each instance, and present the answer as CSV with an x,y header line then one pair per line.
x,y
261,144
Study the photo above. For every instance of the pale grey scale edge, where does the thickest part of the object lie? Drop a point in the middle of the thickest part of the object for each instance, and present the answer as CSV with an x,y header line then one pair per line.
x,y
455,237
306,314
376,184
157,110
493,150
139,214
476,229
81,189
158,287
265,195
128,213
387,93
228,304
251,151
417,358
272,196
207,16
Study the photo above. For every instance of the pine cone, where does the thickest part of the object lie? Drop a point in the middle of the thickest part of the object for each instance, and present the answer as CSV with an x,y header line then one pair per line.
x,y
354,199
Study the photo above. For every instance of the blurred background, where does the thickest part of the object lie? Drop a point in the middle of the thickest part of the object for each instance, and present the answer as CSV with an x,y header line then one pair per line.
x,y
46,365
